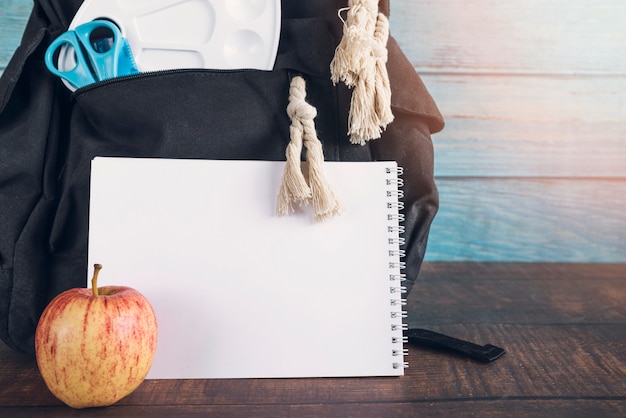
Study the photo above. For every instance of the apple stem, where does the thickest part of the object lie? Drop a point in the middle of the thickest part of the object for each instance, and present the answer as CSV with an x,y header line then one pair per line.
x,y
94,279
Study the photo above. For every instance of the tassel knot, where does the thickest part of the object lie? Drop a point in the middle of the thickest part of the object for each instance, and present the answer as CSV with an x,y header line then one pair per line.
x,y
294,187
301,111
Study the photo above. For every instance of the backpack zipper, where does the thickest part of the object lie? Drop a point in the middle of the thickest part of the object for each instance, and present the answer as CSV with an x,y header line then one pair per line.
x,y
155,73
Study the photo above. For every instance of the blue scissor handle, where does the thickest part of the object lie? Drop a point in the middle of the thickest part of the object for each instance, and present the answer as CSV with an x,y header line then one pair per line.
x,y
105,62
91,65
78,76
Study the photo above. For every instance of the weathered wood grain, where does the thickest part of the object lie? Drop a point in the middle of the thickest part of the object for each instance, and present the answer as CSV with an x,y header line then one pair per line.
x,y
496,408
530,220
563,326
512,37
533,92
448,294
13,16
531,126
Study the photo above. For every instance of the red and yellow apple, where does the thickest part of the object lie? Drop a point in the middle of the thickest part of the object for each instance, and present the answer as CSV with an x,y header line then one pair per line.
x,y
95,346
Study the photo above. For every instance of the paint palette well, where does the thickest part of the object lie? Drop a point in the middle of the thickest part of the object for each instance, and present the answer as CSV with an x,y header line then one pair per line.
x,y
172,34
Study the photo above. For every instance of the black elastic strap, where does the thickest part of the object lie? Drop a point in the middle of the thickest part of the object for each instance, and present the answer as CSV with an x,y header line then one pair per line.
x,y
484,353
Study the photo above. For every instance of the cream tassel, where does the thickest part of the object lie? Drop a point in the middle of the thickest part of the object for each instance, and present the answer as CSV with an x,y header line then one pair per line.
x,y
383,87
355,46
360,62
294,188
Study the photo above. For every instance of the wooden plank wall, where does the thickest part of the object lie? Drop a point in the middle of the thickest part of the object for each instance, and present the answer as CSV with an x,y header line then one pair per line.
x,y
532,163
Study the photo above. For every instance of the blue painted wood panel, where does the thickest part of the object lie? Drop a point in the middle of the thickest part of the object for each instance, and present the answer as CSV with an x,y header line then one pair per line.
x,y
13,16
530,126
575,37
532,163
529,219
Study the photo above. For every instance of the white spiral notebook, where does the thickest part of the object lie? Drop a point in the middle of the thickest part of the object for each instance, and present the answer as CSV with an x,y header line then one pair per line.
x,y
240,292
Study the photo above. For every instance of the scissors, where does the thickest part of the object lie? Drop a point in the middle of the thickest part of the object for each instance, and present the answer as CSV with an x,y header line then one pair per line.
x,y
100,53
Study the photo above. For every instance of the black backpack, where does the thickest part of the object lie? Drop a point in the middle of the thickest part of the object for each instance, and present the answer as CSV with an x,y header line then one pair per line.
x,y
48,136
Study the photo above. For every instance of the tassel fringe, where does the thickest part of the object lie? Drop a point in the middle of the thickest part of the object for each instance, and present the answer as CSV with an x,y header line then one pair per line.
x,y
294,188
360,62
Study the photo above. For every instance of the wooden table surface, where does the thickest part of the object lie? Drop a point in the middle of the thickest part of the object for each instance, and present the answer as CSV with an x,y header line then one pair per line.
x,y
563,327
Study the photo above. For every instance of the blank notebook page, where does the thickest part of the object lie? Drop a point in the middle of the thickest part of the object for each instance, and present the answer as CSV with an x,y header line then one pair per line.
x,y
240,292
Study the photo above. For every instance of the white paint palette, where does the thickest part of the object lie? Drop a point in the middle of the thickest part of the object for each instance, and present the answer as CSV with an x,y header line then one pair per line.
x,y
173,34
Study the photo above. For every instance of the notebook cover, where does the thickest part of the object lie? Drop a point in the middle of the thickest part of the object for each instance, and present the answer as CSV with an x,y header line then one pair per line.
x,y
240,292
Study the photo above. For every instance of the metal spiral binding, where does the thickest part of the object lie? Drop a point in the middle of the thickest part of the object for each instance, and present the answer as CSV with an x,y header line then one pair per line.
x,y
396,277
395,193
400,265
402,365
397,181
399,241
397,170
401,289
396,216
399,253
399,205
399,327
399,229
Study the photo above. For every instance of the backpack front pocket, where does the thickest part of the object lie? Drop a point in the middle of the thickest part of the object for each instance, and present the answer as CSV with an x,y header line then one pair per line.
x,y
174,114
